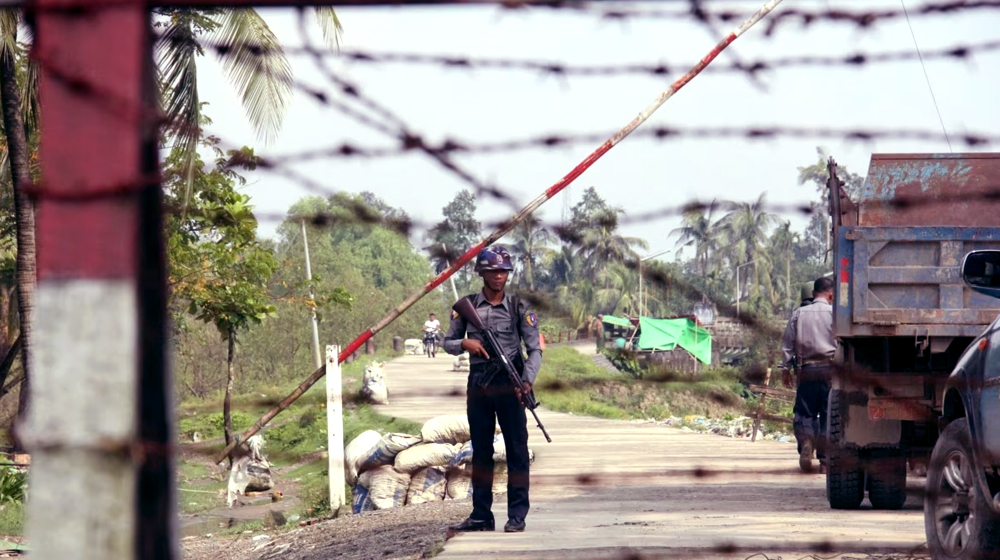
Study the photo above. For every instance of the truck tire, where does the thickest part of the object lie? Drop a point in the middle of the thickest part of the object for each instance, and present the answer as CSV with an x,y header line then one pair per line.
x,y
845,479
958,521
887,482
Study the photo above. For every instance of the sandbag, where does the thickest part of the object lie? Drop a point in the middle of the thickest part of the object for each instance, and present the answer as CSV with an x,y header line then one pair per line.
x,y
459,483
463,456
357,452
413,346
425,455
373,387
446,429
388,488
384,453
361,499
427,485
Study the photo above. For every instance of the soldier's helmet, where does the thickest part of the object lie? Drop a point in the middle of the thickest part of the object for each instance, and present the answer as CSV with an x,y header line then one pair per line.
x,y
493,258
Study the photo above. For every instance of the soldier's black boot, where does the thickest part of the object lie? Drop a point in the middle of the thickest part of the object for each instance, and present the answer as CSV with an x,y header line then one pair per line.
x,y
514,525
471,524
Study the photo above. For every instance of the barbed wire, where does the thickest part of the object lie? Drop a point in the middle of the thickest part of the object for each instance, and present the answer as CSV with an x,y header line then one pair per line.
x,y
864,19
659,69
411,143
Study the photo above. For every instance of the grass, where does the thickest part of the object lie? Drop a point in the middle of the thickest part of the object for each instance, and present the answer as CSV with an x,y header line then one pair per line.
x,y
12,519
571,382
292,439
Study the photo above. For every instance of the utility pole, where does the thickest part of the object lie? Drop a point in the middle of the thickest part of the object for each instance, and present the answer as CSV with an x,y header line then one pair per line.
x,y
454,291
312,299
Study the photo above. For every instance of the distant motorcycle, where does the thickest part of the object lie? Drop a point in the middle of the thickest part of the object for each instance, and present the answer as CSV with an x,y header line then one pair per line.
x,y
430,343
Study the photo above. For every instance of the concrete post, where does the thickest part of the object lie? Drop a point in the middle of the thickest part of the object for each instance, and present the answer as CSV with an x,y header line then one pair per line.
x,y
335,428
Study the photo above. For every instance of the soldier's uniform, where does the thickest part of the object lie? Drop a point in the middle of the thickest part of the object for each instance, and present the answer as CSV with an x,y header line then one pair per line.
x,y
491,399
808,345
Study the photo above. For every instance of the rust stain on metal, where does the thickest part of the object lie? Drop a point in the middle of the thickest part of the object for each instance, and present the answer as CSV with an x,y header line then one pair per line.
x,y
901,188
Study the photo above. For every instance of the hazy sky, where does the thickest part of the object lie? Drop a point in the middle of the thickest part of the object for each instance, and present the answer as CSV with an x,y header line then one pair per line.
x,y
640,174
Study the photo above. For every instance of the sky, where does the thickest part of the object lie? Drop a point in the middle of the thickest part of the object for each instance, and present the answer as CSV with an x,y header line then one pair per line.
x,y
640,174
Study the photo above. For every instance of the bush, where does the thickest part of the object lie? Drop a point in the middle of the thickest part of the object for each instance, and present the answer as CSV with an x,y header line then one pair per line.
x,y
624,360
13,485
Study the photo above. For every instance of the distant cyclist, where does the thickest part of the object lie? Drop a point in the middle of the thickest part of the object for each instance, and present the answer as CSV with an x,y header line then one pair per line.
x,y
431,329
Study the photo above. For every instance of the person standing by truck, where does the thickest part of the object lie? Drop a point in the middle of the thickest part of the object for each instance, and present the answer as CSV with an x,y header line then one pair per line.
x,y
808,348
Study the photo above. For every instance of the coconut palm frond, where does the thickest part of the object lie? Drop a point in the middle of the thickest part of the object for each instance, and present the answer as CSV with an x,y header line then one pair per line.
x,y
330,25
254,62
9,20
30,105
177,54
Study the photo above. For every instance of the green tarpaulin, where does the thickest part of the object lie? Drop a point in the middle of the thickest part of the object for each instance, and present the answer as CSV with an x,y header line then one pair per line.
x,y
617,321
667,334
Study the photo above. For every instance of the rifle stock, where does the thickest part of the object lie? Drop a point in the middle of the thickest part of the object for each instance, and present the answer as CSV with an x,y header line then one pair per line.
x,y
467,311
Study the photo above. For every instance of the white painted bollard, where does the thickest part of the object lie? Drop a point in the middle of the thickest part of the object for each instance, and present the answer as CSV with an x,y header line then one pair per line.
x,y
335,428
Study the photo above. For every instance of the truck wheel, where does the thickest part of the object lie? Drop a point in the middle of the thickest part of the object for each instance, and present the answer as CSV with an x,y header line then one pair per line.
x,y
845,479
887,478
958,520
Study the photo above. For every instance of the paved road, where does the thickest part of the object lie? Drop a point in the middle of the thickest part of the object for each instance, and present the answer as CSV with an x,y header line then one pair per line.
x,y
603,487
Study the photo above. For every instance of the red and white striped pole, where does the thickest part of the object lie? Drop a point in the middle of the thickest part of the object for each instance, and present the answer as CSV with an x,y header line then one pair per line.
x,y
98,427
517,218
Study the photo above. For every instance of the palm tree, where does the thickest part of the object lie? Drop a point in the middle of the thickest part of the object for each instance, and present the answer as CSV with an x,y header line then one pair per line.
x,y
252,59
601,245
782,246
745,229
621,284
699,229
19,102
529,244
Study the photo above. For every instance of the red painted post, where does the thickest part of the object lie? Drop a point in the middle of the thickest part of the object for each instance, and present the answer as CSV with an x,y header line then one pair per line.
x,y
99,428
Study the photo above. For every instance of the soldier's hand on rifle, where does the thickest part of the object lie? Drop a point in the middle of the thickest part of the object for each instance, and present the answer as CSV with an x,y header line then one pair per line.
x,y
473,346
523,390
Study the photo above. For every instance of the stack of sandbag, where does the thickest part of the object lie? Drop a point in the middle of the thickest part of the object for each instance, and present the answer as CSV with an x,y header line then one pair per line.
x,y
396,469
373,387
461,362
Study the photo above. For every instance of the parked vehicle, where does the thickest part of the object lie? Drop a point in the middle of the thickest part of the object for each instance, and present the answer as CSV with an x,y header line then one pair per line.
x,y
901,312
962,500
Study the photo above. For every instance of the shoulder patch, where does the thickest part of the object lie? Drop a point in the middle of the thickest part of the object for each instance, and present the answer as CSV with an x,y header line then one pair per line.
x,y
531,319
454,315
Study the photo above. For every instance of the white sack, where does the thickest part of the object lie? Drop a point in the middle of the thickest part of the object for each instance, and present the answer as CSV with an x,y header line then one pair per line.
x,y
357,451
446,429
427,485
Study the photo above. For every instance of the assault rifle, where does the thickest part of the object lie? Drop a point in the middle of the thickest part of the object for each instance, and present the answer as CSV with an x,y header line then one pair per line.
x,y
466,310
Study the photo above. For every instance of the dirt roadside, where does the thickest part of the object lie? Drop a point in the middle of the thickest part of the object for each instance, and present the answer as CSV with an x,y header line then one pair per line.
x,y
609,489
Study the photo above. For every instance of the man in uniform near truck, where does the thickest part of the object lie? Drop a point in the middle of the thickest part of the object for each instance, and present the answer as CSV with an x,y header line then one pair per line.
x,y
491,399
808,348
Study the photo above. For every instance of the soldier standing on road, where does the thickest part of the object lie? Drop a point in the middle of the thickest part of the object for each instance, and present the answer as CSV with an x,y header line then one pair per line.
x,y
492,399
808,347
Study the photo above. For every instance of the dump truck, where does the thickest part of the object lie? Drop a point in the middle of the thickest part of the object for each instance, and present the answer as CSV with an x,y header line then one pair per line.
x,y
902,314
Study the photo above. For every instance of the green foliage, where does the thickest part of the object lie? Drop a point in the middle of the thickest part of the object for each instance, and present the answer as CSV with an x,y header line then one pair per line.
x,y
571,382
13,485
211,425
624,360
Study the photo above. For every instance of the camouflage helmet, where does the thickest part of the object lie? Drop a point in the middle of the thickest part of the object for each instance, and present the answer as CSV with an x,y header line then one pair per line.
x,y
493,258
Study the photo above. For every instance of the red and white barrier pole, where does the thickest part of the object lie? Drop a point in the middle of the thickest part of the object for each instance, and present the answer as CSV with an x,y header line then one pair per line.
x,y
517,218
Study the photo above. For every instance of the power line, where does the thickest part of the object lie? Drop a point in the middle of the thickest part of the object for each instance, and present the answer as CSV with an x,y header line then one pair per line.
x,y
926,76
